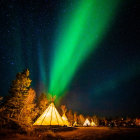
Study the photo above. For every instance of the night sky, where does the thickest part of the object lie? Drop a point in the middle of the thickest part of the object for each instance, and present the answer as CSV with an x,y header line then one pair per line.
x,y
105,81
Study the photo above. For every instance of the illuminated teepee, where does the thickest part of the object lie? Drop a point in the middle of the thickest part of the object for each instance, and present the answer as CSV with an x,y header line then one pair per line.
x,y
50,117
92,123
65,120
75,123
86,123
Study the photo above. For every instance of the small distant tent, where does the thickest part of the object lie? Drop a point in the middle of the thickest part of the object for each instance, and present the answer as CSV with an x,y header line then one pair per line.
x,y
65,120
75,123
92,123
86,123
50,117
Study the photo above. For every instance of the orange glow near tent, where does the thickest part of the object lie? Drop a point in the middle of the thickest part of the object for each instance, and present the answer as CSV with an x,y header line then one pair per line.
x,y
50,117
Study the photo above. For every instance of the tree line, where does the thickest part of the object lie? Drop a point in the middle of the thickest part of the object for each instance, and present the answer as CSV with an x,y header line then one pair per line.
x,y
22,107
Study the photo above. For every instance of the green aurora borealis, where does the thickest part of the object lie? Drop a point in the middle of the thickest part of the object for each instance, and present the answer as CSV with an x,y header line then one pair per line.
x,y
86,52
77,36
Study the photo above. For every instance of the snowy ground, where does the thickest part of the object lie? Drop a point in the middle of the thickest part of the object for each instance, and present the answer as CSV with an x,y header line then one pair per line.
x,y
91,133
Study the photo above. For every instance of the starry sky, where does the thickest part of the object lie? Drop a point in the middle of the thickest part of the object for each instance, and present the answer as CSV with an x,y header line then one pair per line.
x,y
106,82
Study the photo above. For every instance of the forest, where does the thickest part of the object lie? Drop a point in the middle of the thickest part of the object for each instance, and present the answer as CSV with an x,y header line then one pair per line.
x,y
21,107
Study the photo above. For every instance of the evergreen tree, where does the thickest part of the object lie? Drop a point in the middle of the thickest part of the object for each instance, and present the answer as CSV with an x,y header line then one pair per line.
x,y
81,119
75,116
1,98
27,113
42,103
70,117
95,119
64,109
17,94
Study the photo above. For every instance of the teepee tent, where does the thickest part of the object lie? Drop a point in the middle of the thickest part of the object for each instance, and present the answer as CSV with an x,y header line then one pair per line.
x,y
92,123
65,120
50,117
86,123
75,123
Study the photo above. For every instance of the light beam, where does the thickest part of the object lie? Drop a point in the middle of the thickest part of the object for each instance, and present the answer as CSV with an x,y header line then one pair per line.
x,y
78,36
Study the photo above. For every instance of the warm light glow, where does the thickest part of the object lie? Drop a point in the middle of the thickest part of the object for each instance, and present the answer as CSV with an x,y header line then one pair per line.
x,y
86,123
65,120
50,117
93,123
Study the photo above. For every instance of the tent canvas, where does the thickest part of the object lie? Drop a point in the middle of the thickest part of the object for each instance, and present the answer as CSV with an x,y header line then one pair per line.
x,y
75,123
86,123
50,117
93,123
65,120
